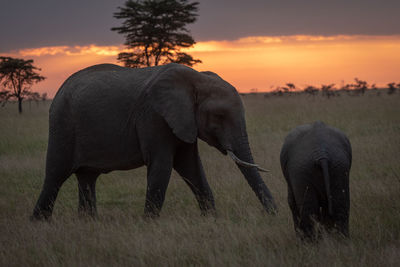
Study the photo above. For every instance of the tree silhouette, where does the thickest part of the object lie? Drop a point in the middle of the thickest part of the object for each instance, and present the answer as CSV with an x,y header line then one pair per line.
x,y
17,76
392,88
278,91
360,86
311,90
155,31
289,87
43,97
327,90
33,96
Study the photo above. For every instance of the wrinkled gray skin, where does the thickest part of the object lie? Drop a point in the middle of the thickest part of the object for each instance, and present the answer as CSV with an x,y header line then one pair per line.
x,y
316,161
107,118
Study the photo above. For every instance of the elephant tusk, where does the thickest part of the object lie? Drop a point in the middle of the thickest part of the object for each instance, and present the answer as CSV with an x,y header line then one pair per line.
x,y
244,163
262,169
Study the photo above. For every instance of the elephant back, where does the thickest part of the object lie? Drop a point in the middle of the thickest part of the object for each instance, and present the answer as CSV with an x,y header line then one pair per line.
x,y
310,143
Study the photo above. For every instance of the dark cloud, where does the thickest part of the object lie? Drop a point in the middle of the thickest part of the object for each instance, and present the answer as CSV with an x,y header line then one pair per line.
x,y
236,18
27,23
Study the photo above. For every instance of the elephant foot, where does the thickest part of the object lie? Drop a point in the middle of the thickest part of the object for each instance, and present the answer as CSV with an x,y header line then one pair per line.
x,y
309,238
272,209
40,216
308,234
151,210
339,234
209,213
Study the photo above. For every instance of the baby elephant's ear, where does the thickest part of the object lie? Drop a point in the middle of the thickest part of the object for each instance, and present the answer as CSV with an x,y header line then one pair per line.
x,y
171,94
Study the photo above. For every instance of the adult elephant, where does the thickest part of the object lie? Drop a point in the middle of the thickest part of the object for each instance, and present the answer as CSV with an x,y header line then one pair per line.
x,y
107,117
316,161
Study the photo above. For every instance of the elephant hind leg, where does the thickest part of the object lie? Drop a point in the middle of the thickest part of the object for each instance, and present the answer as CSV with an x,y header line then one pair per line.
x,y
87,192
308,209
52,184
59,167
293,208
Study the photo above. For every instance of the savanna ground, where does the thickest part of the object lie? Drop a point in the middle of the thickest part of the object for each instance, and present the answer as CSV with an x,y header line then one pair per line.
x,y
242,234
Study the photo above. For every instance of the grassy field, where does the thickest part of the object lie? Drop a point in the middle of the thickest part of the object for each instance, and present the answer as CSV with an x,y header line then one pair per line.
x,y
241,234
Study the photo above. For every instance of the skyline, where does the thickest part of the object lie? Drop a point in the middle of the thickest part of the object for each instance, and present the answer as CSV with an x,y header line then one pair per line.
x,y
257,44
261,62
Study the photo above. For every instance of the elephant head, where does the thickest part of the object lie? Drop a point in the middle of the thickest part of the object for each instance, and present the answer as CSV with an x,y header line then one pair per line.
x,y
202,105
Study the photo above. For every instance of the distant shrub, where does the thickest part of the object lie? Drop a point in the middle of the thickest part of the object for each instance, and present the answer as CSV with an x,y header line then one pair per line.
x,y
328,90
311,90
392,88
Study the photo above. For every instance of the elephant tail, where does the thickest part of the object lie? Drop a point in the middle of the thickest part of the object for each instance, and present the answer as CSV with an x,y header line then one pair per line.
x,y
325,174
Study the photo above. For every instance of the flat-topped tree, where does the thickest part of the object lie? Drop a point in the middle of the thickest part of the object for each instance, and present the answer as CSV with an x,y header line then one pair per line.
x,y
17,76
155,31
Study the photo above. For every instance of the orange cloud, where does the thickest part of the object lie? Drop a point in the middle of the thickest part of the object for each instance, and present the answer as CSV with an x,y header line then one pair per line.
x,y
72,51
261,62
262,42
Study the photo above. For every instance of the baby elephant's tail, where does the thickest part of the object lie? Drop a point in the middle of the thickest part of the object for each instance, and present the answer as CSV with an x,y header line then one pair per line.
x,y
325,172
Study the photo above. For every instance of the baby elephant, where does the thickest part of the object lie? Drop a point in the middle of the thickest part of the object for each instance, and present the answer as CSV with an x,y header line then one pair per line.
x,y
316,161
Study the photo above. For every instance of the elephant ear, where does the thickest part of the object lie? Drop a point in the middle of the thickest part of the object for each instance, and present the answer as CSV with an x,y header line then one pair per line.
x,y
172,95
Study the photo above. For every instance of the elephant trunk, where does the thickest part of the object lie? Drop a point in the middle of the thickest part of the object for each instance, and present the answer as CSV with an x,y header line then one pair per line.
x,y
241,154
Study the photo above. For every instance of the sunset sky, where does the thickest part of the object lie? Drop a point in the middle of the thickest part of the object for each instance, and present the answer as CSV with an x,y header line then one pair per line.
x,y
251,44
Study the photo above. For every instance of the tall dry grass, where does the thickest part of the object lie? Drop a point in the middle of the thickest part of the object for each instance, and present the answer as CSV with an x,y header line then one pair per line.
x,y
241,234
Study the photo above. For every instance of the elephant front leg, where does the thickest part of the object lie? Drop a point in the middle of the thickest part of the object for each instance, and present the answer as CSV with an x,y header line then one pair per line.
x,y
188,164
87,192
158,175
342,226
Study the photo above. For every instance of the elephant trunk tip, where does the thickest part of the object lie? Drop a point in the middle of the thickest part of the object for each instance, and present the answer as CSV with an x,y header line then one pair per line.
x,y
271,208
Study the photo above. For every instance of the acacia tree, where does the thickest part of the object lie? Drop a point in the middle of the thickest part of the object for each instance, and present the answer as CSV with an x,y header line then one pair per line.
x,y
17,76
155,31
327,90
360,86
312,90
392,88
289,87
